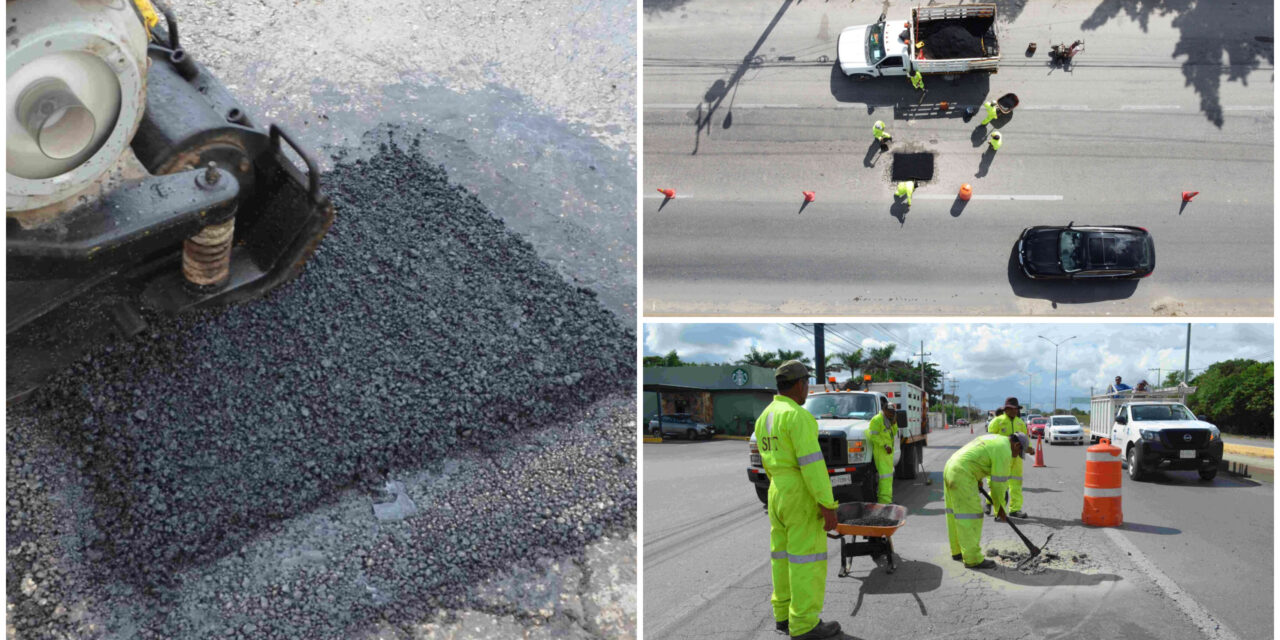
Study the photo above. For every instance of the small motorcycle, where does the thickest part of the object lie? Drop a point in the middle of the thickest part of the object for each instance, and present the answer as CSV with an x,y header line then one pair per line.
x,y
1061,54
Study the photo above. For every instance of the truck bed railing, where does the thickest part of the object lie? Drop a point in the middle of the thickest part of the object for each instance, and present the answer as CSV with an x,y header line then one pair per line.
x,y
926,14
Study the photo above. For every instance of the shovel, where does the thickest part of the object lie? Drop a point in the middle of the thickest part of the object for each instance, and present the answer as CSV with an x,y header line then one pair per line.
x,y
1035,551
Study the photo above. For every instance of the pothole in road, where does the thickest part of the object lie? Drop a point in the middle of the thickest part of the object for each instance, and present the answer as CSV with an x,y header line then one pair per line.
x,y
1061,560
912,166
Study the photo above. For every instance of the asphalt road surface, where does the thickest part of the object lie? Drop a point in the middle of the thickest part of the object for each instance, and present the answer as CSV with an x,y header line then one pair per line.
x,y
744,108
1178,568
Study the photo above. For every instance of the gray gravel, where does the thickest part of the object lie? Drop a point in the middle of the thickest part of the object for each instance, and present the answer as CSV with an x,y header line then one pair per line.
x,y
152,487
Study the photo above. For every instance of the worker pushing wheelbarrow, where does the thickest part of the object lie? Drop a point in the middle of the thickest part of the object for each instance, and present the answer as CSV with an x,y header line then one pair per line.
x,y
1002,106
875,523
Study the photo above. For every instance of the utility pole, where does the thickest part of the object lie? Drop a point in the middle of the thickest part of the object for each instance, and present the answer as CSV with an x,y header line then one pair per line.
x,y
819,355
1158,371
968,401
1055,369
921,355
1029,376
1186,364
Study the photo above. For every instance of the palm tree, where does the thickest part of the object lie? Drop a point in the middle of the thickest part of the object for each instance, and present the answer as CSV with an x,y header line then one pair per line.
x,y
784,355
880,359
833,367
759,358
851,361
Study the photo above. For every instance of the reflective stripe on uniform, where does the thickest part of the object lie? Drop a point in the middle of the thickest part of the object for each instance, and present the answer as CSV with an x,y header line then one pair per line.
x,y
999,478
811,458
968,516
768,424
886,475
1092,492
813,557
778,555
1100,456
1018,478
950,512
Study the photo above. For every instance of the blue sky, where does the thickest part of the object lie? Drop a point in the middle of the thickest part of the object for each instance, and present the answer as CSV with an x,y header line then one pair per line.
x,y
990,361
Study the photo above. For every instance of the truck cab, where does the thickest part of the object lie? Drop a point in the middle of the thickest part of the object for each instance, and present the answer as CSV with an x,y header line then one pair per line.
x,y
844,418
1156,433
864,51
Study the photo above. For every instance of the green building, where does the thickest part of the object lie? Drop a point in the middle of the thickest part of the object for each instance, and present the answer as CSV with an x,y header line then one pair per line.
x,y
730,397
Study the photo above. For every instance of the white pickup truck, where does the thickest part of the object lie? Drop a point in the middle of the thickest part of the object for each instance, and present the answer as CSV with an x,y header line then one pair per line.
x,y
843,419
936,40
1156,431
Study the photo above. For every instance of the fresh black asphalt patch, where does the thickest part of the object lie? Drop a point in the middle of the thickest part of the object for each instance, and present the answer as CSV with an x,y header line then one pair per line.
x,y
912,166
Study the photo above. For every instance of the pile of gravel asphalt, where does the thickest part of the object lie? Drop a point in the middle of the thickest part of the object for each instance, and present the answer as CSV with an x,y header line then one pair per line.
x,y
420,329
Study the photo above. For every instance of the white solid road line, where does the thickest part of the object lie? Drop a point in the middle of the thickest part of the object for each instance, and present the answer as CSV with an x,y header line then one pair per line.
x,y
1025,107
938,196
660,196
1210,626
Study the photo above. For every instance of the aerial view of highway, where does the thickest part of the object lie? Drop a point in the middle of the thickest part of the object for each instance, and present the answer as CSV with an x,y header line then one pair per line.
x,y
1075,158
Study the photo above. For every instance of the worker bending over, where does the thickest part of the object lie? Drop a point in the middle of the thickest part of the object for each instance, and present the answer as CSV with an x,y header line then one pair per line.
x,y
987,456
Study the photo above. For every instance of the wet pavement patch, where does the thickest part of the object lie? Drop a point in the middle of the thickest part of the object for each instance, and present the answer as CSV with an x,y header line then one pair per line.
x,y
912,166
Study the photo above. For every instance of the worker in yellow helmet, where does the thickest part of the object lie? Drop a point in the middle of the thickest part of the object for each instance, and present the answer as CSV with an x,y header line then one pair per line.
x,y
995,140
905,189
880,134
986,456
883,434
1005,424
801,506
992,113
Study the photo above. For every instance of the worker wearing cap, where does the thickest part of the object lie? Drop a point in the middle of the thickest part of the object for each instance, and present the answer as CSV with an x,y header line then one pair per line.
x,y
905,189
1005,424
878,131
883,434
917,80
801,506
995,140
990,106
986,456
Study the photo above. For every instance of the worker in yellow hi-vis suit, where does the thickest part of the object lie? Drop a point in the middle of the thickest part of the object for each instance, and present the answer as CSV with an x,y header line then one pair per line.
x,y
986,456
992,113
917,80
1006,424
801,506
878,131
904,190
883,434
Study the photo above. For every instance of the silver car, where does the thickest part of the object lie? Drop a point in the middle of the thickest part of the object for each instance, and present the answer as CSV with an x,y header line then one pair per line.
x,y
680,425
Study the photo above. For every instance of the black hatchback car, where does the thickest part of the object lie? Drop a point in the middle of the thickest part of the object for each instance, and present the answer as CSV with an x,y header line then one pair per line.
x,y
1086,252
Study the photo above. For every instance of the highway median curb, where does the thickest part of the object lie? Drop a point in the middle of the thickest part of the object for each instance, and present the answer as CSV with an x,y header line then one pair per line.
x,y
727,437
1246,450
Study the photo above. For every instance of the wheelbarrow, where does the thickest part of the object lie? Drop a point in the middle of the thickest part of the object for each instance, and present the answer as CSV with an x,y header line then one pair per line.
x,y
1006,103
877,540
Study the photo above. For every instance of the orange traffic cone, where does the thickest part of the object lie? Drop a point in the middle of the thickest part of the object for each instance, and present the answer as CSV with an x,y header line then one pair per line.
x,y
808,196
965,192
1039,451
1188,195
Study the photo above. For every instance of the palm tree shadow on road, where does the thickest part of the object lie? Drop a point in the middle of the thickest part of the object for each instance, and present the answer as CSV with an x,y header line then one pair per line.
x,y
718,90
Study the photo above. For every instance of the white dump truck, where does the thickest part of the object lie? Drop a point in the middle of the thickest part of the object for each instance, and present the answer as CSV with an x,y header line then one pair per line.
x,y
843,419
936,40
1156,431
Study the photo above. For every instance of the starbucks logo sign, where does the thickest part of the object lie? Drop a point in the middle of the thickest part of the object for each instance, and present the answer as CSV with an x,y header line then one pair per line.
x,y
740,377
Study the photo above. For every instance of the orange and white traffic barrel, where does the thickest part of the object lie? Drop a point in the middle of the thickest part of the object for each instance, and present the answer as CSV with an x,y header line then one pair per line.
x,y
1102,485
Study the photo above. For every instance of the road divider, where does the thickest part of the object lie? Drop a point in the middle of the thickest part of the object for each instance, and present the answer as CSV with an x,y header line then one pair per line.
x,y
1246,450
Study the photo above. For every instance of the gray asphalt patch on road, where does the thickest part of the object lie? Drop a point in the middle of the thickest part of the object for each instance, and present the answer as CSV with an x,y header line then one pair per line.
x,y
912,166
421,328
